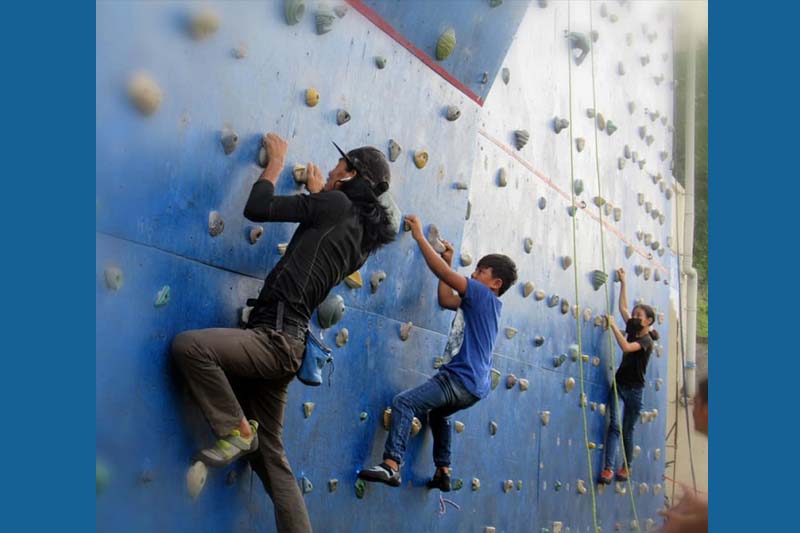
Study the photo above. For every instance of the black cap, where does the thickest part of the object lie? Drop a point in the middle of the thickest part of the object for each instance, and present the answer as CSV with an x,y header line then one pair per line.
x,y
369,163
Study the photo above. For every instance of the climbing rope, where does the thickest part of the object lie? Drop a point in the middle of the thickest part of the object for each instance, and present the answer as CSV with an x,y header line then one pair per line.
x,y
607,291
575,272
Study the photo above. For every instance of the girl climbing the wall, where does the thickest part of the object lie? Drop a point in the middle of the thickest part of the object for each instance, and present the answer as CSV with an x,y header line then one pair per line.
x,y
636,345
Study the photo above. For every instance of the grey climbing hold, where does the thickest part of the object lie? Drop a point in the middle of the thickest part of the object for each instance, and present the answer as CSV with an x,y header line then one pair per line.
x,y
435,239
342,337
607,208
599,279
511,381
342,117
642,132
306,485
648,238
493,428
528,245
502,178
662,219
380,62
446,44
113,278
539,295
617,214
574,352
627,152
668,193
601,122
566,262
330,311
571,210
590,112
577,186
527,289
620,69
162,296
638,269
510,332
542,202
587,315
485,78
538,340
610,127
655,245
405,330
553,300
648,206
263,157
559,360
308,408
560,124
294,10
649,140
645,60
466,259
145,93
564,306
580,144
203,23
578,41
324,19
376,279
647,272
453,112
639,234
640,198
506,75
460,186
495,377
523,384
196,479
621,163
229,141
521,137
340,10
634,156
569,384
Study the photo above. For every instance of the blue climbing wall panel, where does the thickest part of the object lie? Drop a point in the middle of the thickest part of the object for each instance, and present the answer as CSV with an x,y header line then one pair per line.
x,y
159,176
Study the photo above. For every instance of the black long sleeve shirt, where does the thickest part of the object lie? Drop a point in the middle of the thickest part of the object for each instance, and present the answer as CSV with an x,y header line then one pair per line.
x,y
324,249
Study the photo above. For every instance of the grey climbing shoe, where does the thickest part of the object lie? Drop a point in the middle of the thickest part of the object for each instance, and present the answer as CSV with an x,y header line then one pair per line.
x,y
381,473
230,448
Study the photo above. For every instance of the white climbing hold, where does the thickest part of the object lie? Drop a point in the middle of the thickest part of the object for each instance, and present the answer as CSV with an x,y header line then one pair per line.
x,y
282,247
376,279
196,479
569,384
466,259
545,417
145,93
342,337
255,233
405,330
510,332
527,289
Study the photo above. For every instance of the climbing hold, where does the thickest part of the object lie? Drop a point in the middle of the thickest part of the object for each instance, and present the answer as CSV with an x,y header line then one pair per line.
x,y
506,75
312,98
528,244
308,408
566,262
361,488
244,317
459,426
559,360
484,78
416,425
363,415
282,246
502,178
196,478
577,186
661,218
340,10
617,214
324,19
145,93
663,155
380,62
649,140
642,132
387,418
636,451
539,295
453,112
458,484
203,23
564,306
578,41
545,417
601,122
508,486
634,156
590,112
642,163
493,428
476,483
580,486
635,525
593,406
583,400
620,163
655,245
523,384
648,206
620,69
587,314
598,279
643,488
511,381
376,279
255,233
527,289
640,198
569,383
299,173
162,296
229,141
294,10
342,337
113,277
330,311
495,3
354,280
446,44
420,158
434,239
460,186
571,210
602,409
620,488
342,116
560,124
627,152
639,234
607,208
638,269
657,454
510,332
333,484
657,489
647,272
466,259
495,378
538,340
610,127
394,150
553,300
574,352
521,137
580,144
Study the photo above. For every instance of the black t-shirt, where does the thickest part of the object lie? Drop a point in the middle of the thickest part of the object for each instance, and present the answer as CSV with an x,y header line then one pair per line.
x,y
634,364
324,249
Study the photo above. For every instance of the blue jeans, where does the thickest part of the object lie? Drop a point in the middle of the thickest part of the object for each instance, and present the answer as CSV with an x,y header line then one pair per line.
x,y
632,398
442,395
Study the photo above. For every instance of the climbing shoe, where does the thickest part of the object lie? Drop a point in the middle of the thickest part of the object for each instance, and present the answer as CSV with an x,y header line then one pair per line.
x,y
381,473
230,448
440,481
622,474
606,476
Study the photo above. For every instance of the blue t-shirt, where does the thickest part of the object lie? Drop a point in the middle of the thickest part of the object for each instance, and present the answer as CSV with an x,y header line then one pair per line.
x,y
473,362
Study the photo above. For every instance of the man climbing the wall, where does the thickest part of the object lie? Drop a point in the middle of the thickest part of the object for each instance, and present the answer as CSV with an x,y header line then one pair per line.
x,y
340,223
463,381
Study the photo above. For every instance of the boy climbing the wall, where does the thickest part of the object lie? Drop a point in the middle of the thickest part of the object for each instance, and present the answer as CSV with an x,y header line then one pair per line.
x,y
466,378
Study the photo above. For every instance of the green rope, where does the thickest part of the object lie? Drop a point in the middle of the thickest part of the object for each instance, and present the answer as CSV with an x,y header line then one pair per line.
x,y
608,297
591,480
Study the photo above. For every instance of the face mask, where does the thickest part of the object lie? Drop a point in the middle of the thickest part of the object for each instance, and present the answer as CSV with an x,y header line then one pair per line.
x,y
634,325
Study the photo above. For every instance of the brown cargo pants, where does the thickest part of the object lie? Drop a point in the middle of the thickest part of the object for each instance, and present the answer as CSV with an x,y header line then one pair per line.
x,y
261,362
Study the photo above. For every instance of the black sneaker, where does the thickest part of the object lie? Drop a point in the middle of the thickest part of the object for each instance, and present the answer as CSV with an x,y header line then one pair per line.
x,y
440,481
381,473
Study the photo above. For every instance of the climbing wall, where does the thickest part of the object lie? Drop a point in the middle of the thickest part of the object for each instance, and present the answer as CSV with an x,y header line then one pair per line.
x,y
170,177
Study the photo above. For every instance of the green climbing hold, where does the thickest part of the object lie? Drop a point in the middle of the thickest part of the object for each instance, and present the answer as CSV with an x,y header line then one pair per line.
x,y
293,10
446,44
598,279
495,378
361,488
458,484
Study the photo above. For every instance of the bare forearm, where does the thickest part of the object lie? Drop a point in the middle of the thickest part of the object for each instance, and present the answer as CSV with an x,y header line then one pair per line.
x,y
623,299
272,171
434,261
444,292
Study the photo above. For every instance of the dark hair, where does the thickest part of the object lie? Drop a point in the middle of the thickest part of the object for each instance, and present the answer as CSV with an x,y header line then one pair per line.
x,y
702,390
502,268
374,217
649,313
